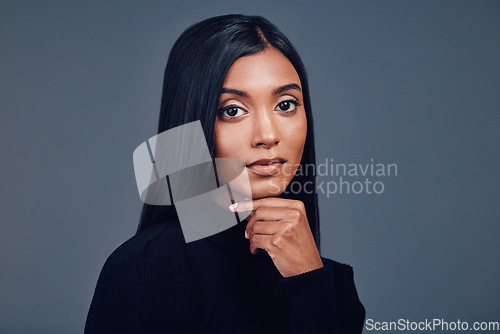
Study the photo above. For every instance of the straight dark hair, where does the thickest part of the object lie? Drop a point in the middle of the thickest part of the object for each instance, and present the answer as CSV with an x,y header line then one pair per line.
x,y
194,76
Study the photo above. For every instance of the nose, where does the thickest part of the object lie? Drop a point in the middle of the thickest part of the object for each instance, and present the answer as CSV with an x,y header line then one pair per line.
x,y
266,131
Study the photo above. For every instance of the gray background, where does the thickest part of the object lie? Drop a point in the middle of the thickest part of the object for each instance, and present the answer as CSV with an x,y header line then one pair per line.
x,y
412,83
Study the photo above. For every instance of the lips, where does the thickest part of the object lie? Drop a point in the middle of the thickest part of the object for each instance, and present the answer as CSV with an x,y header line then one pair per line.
x,y
266,167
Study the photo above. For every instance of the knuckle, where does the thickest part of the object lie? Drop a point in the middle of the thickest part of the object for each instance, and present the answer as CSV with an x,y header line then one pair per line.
x,y
276,242
257,212
295,213
298,204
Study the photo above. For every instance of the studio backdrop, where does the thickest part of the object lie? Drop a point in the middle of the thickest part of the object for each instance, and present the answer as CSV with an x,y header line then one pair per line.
x,y
406,113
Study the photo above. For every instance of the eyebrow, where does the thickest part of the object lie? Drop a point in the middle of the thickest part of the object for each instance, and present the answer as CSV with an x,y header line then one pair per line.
x,y
276,92
234,91
287,87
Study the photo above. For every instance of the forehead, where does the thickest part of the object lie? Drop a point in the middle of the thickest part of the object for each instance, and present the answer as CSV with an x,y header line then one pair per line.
x,y
266,69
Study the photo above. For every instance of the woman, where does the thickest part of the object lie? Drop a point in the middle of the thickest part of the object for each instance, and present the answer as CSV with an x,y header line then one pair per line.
x,y
242,78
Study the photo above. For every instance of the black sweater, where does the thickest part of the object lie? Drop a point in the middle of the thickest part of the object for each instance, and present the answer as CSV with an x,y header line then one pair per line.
x,y
157,283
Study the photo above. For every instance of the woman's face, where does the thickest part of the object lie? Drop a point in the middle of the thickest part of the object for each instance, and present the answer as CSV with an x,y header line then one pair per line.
x,y
261,120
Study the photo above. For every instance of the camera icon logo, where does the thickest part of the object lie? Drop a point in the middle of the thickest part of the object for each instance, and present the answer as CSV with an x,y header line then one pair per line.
x,y
175,168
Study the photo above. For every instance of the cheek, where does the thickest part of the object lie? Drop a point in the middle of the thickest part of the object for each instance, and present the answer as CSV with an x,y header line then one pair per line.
x,y
227,140
296,134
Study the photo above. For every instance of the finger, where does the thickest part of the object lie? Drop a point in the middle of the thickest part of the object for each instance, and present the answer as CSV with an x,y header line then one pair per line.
x,y
261,241
262,214
264,227
270,213
267,214
268,201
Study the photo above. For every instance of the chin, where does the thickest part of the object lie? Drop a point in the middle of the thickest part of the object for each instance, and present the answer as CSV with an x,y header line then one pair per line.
x,y
267,189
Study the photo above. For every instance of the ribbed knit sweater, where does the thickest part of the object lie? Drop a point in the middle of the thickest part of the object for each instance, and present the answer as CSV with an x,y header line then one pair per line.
x,y
157,283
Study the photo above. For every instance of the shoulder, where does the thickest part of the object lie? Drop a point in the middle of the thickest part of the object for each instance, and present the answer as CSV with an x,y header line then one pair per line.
x,y
141,275
160,246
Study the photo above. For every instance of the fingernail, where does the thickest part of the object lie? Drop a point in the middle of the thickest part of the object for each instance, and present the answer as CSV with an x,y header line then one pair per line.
x,y
232,207
246,234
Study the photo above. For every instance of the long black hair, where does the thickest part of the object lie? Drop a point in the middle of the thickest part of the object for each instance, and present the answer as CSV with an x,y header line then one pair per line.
x,y
194,76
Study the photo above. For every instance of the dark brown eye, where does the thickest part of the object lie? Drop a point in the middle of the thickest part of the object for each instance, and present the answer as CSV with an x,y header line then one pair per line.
x,y
232,111
287,105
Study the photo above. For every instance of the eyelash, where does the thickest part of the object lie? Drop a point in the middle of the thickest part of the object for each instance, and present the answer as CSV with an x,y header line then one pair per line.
x,y
235,106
